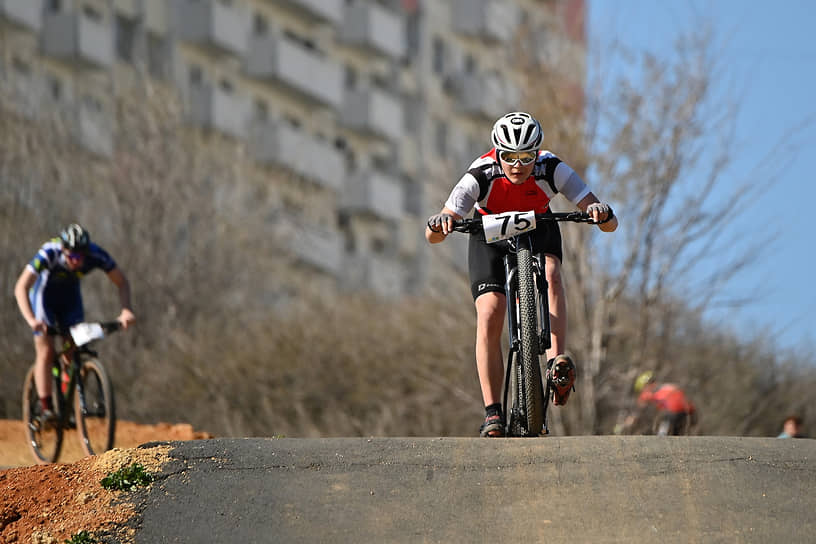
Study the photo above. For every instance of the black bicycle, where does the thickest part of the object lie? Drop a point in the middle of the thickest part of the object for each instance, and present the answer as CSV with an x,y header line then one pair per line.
x,y
78,380
525,397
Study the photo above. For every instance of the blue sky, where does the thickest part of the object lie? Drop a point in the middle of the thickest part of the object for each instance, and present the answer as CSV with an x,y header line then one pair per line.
x,y
769,50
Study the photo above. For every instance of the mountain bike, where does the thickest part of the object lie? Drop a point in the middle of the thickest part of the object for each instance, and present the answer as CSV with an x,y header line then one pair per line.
x,y
80,381
525,397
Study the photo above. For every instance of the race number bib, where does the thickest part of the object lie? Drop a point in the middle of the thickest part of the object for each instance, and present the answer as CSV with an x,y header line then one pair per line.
x,y
82,333
502,226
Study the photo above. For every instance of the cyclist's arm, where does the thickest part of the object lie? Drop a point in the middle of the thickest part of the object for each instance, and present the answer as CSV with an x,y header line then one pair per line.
x,y
126,316
24,283
436,237
610,225
460,202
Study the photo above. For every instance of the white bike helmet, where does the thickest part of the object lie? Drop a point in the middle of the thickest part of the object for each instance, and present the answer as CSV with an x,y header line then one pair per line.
x,y
517,131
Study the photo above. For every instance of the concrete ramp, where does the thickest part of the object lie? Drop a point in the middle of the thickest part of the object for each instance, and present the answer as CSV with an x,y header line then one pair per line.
x,y
568,489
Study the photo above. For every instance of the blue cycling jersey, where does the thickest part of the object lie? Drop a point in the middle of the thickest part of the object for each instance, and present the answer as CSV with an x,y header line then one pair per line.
x,y
55,297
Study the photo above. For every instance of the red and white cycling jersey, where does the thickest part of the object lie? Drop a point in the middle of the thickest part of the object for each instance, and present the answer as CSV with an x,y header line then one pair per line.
x,y
485,186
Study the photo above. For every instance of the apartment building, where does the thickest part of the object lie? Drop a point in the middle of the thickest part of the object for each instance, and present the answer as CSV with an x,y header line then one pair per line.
x,y
395,97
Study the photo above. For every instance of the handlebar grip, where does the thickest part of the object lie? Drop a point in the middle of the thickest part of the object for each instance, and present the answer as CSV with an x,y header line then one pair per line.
x,y
111,326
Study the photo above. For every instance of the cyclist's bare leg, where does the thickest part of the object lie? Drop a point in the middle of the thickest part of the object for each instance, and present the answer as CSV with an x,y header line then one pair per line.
x,y
558,306
490,310
44,354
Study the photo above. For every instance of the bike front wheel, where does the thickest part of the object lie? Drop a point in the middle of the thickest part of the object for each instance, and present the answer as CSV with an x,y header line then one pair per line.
x,y
44,437
515,413
95,409
531,375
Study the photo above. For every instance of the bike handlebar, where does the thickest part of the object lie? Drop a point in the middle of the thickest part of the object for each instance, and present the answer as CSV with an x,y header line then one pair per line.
x,y
474,224
107,326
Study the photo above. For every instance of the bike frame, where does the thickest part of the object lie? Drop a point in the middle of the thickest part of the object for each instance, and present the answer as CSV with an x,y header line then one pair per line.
x,y
540,291
80,361
513,324
74,356
545,342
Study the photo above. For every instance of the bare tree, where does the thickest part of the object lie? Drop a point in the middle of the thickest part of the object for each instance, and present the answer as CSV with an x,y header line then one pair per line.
x,y
657,139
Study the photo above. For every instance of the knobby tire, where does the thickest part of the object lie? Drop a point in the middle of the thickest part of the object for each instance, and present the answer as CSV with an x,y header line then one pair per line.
x,y
44,441
531,376
96,420
514,398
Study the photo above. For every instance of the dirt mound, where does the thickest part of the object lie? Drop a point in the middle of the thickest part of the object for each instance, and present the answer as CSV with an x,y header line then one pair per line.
x,y
34,499
15,453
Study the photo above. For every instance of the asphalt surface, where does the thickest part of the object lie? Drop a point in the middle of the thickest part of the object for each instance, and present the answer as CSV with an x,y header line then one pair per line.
x,y
569,489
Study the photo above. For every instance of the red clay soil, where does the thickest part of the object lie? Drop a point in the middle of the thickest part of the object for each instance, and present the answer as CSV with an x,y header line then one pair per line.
x,y
51,503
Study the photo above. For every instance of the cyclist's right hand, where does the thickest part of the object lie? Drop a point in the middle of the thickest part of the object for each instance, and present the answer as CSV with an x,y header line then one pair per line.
x,y
38,326
441,222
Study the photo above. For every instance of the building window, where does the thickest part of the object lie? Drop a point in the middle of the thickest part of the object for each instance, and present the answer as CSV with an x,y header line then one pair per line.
x,y
54,6
92,103
291,121
438,55
469,64
55,87
297,38
351,78
260,25
125,38
261,110
21,66
92,13
378,246
196,76
156,57
441,138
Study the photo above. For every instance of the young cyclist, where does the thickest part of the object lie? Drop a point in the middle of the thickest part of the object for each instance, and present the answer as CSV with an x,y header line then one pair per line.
x,y
515,175
48,295
677,413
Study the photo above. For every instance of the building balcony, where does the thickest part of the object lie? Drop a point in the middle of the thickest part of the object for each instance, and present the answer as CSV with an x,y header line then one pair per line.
x,y
24,13
375,111
481,96
410,235
381,274
155,16
330,11
23,92
491,20
318,246
214,25
303,70
375,192
95,130
213,107
77,37
374,27
277,142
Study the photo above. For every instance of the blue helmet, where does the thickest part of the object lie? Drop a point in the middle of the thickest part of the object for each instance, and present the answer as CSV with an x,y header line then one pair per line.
x,y
74,237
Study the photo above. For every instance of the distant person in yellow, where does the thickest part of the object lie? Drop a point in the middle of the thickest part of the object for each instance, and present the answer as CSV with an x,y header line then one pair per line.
x,y
49,296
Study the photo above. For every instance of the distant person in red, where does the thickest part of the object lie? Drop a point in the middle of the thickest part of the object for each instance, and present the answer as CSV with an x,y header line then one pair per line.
x,y
677,413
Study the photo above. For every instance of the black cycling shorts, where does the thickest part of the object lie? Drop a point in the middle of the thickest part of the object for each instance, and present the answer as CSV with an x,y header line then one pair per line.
x,y
486,261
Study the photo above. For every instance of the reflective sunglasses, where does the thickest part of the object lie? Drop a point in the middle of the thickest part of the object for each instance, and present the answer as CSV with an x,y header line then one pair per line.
x,y
512,157
74,255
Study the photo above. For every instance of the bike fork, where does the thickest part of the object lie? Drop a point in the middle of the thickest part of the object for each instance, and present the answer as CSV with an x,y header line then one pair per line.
x,y
544,340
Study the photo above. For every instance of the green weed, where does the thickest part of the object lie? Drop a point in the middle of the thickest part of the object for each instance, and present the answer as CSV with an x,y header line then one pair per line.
x,y
82,537
126,478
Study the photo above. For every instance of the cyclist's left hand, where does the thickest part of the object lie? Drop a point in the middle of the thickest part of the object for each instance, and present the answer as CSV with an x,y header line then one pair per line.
x,y
600,212
441,222
126,318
